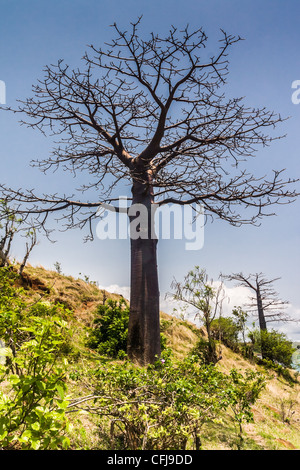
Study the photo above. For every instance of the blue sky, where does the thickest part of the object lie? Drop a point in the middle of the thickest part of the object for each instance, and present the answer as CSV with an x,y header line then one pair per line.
x,y
262,68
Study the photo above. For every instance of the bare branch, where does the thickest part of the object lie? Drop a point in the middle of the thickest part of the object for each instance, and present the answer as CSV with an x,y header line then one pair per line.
x,y
265,300
150,111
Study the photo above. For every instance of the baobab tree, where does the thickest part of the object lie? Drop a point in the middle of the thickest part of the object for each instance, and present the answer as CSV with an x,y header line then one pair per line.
x,y
265,302
150,112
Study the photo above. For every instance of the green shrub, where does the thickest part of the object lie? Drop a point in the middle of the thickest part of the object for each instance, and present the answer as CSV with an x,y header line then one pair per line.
x,y
109,333
32,404
242,392
46,309
32,409
110,330
226,330
275,346
207,352
159,407
165,406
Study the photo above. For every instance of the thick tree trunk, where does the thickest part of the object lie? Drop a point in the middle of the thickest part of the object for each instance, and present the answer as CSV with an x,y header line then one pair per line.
x,y
261,315
262,321
144,327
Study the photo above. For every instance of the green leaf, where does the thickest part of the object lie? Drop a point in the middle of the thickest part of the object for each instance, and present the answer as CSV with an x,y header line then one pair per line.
x,y
66,443
60,391
41,385
35,444
14,379
36,426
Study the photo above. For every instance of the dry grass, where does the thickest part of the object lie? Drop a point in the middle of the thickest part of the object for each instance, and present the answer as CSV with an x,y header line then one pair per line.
x,y
277,412
78,295
181,335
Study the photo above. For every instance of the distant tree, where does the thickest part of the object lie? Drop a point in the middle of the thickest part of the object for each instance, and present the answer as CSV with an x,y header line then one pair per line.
x,y
265,303
150,112
241,317
31,235
205,301
9,224
57,266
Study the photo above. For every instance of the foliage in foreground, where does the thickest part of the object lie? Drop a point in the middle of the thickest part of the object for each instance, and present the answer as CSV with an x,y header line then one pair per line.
x,y
32,404
165,406
168,405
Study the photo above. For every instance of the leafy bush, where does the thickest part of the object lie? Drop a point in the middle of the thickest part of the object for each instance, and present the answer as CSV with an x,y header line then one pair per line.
x,y
32,409
275,346
242,393
110,330
166,405
159,407
206,351
280,370
46,309
226,330
12,310
32,385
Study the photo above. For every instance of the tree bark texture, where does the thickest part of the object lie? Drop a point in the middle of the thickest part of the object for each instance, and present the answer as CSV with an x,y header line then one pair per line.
x,y
262,321
261,315
144,325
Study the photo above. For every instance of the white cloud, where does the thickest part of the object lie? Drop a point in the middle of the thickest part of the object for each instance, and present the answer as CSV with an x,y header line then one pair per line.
x,y
235,297
116,289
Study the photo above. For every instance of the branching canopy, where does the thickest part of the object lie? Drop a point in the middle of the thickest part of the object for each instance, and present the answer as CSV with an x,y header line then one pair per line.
x,y
274,308
151,106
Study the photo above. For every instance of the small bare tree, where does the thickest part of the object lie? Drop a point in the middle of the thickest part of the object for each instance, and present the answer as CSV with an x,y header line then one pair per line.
x,y
149,112
9,224
265,303
31,234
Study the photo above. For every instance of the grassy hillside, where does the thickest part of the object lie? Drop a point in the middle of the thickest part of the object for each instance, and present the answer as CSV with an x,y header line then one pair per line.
x,y
276,413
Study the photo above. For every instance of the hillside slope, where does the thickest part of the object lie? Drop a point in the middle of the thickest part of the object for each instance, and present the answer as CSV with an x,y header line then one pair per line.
x,y
276,414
